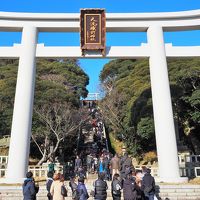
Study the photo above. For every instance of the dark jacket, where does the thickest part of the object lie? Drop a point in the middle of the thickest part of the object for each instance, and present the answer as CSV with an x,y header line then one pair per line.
x,y
100,189
29,189
126,164
129,191
116,187
72,185
78,163
48,187
82,192
147,181
106,163
48,184
140,194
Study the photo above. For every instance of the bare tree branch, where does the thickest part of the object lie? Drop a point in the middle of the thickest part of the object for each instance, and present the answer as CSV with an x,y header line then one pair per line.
x,y
61,120
111,108
37,145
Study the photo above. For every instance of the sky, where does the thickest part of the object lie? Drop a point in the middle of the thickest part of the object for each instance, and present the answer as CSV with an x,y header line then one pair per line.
x,y
93,66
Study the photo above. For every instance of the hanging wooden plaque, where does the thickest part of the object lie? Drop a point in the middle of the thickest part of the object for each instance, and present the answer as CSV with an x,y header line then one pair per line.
x,y
92,26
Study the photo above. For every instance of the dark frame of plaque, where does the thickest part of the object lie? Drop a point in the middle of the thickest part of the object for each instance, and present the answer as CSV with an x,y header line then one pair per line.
x,y
93,30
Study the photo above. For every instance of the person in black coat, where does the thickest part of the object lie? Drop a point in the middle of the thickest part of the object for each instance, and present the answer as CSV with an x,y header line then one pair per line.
x,y
48,184
126,165
116,187
138,181
77,164
100,187
129,191
73,186
148,185
81,190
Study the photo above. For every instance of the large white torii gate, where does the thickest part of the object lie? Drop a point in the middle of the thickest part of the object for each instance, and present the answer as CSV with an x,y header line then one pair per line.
x,y
156,50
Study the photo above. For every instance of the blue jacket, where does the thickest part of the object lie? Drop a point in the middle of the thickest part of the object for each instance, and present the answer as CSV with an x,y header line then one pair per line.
x,y
82,192
29,190
48,184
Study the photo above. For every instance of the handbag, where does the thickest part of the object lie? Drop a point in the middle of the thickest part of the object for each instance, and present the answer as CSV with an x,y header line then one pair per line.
x,y
74,194
155,198
63,191
92,193
49,195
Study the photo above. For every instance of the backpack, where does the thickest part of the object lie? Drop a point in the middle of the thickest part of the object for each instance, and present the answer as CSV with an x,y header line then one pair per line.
x,y
75,194
116,189
26,189
63,191
148,189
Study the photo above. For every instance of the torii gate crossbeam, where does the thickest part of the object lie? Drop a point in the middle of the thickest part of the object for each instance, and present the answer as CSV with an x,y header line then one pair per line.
x,y
153,23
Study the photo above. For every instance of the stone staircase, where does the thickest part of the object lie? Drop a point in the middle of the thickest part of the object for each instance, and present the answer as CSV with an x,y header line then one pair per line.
x,y
172,192
179,192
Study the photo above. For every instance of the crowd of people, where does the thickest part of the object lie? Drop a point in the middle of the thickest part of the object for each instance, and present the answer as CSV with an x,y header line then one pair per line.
x,y
136,184
95,159
125,181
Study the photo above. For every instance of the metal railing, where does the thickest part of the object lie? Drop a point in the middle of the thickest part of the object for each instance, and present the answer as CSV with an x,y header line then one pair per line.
x,y
104,135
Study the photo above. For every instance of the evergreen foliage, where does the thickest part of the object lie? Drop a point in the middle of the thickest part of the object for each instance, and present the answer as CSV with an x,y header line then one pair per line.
x,y
57,82
131,79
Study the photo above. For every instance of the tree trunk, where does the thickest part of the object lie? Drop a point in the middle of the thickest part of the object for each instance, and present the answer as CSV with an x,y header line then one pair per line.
x,y
44,156
43,159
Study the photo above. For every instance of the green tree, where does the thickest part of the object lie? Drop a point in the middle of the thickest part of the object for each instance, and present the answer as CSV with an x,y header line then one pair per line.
x,y
132,79
58,82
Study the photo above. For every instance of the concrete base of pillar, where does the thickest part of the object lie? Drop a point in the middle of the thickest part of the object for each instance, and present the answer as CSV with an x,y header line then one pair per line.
x,y
11,181
171,180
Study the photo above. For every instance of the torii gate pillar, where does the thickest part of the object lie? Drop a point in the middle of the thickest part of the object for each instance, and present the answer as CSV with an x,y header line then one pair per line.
x,y
162,108
22,114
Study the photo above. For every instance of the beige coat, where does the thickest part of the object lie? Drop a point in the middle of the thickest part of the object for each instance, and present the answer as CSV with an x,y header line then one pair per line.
x,y
115,163
56,190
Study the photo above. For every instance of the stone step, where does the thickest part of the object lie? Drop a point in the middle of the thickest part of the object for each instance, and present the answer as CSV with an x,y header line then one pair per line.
x,y
42,198
173,192
171,197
